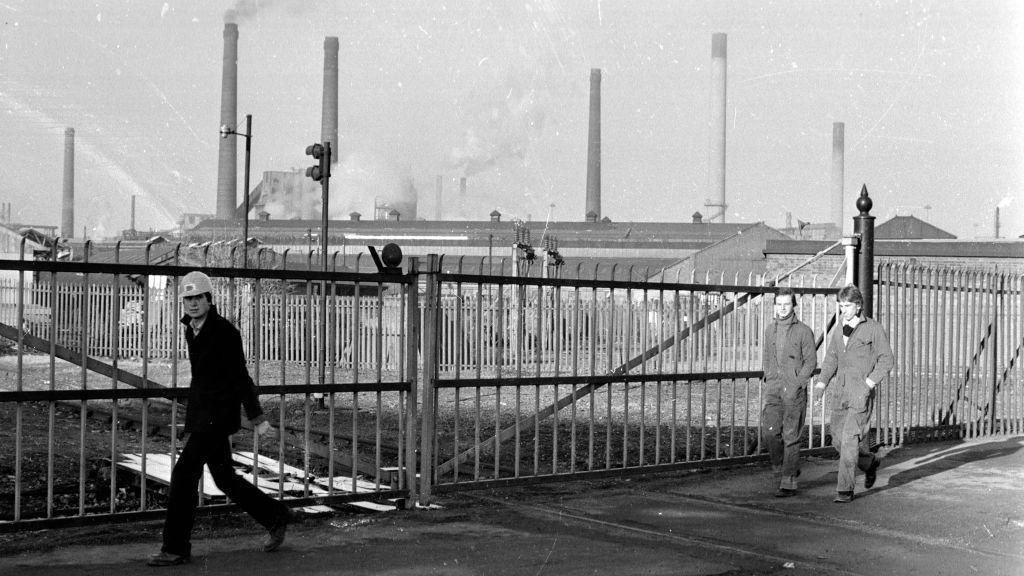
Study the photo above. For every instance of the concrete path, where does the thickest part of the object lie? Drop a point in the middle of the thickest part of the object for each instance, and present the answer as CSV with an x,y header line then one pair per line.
x,y
945,508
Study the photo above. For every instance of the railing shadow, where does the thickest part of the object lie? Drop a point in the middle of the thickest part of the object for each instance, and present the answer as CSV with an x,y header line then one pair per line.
x,y
896,472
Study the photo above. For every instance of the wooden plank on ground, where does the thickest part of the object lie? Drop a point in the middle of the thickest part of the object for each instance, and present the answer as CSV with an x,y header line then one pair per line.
x,y
374,506
344,484
158,469
269,464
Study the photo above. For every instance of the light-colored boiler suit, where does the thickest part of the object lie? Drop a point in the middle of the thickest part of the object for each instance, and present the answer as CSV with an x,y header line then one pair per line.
x,y
866,354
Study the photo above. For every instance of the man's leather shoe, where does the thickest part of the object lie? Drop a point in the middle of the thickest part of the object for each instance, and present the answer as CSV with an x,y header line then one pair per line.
x,y
168,559
275,536
843,497
871,474
785,492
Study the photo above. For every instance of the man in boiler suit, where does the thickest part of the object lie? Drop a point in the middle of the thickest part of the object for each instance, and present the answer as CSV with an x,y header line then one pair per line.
x,y
860,358
789,359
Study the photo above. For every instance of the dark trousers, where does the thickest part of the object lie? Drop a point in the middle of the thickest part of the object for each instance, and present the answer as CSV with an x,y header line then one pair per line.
x,y
782,422
214,450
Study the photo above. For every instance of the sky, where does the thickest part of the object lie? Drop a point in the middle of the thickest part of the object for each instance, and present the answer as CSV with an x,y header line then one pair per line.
x,y
931,94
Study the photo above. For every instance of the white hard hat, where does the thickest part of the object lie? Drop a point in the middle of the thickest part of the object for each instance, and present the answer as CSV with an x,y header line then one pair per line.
x,y
194,284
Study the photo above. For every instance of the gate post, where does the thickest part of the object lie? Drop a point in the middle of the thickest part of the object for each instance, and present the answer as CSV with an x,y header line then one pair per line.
x,y
412,356
864,224
430,330
850,251
997,299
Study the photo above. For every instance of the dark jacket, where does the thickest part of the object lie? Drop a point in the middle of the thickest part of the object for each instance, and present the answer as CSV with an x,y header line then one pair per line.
x,y
866,354
221,384
792,365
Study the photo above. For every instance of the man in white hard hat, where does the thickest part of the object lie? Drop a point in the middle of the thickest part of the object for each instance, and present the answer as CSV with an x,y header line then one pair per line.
x,y
220,387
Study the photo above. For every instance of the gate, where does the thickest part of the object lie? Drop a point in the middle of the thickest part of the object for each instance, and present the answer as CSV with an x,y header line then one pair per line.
x,y
95,404
531,378
957,336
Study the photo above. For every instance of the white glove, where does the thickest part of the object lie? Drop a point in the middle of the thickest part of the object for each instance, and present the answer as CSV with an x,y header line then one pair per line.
x,y
819,385
263,428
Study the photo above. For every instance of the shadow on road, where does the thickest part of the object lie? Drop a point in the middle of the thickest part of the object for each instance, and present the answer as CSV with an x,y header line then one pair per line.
x,y
944,459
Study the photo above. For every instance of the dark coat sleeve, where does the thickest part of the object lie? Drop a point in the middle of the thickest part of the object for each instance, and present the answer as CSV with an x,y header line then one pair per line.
x,y
244,387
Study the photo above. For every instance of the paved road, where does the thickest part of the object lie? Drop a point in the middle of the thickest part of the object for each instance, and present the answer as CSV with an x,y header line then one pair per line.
x,y
948,508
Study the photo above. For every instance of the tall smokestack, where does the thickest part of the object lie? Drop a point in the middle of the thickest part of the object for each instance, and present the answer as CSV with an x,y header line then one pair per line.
x,y
67,207
133,214
838,171
437,202
716,144
997,222
593,206
462,188
227,164
329,124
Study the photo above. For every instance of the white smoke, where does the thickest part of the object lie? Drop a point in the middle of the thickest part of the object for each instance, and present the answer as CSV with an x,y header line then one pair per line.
x,y
366,180
502,122
361,183
245,10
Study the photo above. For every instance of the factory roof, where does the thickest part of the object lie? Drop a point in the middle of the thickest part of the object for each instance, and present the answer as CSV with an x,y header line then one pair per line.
x,y
910,228
1012,248
568,233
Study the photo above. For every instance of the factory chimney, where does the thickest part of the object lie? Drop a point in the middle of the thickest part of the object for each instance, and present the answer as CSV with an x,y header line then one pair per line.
x,y
593,206
329,125
133,214
716,144
997,223
67,208
462,188
438,200
227,164
838,171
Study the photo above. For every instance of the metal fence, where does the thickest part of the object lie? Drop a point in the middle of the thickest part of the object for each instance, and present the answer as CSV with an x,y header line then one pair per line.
x,y
532,377
537,378
111,318
92,401
957,337
465,379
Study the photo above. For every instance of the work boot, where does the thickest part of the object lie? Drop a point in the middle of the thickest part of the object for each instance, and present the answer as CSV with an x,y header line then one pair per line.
x,y
787,487
276,533
843,497
168,559
871,474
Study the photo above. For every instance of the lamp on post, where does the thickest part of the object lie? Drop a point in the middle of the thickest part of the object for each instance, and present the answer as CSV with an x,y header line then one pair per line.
x,y
226,131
